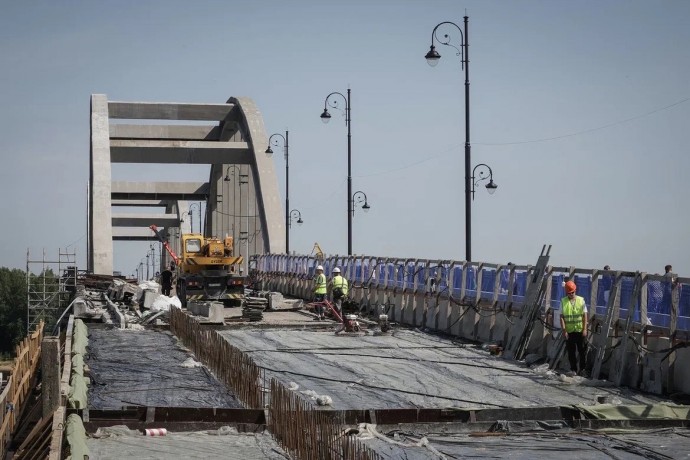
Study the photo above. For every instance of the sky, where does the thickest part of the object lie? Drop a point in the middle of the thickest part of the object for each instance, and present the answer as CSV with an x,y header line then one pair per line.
x,y
581,109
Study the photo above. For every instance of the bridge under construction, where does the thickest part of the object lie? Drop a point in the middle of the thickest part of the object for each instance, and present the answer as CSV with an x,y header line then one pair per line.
x,y
451,359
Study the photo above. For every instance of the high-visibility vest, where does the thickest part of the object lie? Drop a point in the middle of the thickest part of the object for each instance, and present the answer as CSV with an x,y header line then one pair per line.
x,y
320,287
572,314
339,281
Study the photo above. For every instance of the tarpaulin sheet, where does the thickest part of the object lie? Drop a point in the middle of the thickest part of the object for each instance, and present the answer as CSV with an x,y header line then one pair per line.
x,y
130,368
636,411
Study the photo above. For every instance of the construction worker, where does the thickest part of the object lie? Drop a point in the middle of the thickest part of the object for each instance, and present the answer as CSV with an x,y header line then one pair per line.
x,y
166,281
574,326
320,290
339,289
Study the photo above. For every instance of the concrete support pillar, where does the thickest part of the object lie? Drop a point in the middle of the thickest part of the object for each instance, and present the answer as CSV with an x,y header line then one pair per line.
x,y
100,215
50,371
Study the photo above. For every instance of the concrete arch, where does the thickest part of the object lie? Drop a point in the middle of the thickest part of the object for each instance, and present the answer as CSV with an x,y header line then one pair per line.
x,y
234,138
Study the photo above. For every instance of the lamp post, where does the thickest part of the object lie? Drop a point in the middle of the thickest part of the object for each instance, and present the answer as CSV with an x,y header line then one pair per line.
x,y
484,175
432,57
191,217
326,117
287,181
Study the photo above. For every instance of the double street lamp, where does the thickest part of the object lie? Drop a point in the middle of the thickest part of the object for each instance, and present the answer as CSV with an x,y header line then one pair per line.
x,y
432,57
269,152
326,117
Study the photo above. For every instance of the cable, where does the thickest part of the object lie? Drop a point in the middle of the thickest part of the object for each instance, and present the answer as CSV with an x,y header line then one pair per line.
x,y
608,125
450,149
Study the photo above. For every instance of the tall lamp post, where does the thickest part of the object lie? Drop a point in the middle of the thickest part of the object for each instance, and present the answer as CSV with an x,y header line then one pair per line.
x,y
484,173
269,152
191,217
326,117
432,57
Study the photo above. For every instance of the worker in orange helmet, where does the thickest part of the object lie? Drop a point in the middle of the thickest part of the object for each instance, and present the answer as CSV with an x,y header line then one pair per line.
x,y
574,326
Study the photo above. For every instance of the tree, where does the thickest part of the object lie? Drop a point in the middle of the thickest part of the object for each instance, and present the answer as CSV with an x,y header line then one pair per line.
x,y
13,308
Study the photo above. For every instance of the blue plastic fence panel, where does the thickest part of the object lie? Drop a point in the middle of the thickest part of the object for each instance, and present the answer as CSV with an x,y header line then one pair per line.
x,y
358,271
659,302
457,281
603,292
520,287
420,274
488,281
409,275
626,290
684,308
366,271
557,291
389,270
584,287
443,283
381,274
471,282
503,284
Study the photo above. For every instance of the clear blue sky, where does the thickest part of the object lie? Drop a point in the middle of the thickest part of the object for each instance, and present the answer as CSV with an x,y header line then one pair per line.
x,y
539,70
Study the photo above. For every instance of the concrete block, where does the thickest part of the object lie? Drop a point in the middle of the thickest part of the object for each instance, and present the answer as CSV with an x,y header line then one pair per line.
x,y
216,313
79,307
484,325
443,320
418,310
149,297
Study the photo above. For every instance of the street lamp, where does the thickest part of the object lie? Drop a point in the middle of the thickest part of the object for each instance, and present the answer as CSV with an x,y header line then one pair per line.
x,y
432,57
360,197
326,117
295,214
269,152
191,217
484,175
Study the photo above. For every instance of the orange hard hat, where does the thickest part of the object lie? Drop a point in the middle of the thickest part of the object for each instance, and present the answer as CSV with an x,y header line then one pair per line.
x,y
570,287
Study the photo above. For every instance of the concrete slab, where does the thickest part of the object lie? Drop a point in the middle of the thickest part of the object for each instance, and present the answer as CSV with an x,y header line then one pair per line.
x,y
145,368
202,445
410,369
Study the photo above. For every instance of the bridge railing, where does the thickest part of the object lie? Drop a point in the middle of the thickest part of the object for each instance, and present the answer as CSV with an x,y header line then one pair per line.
x,y
487,284
479,301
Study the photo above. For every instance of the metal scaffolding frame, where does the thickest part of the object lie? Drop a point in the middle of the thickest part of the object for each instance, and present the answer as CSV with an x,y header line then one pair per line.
x,y
48,292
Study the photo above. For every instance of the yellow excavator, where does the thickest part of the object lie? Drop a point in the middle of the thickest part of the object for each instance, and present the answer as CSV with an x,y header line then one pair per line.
x,y
207,269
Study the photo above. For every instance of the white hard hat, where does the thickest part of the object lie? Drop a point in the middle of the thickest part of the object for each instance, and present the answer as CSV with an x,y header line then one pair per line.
x,y
319,267
336,270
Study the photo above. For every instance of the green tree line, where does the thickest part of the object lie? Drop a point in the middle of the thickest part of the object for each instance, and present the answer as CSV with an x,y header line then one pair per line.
x,y
13,307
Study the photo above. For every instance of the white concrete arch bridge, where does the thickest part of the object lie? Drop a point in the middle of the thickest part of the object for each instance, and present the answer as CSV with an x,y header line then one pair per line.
x,y
232,144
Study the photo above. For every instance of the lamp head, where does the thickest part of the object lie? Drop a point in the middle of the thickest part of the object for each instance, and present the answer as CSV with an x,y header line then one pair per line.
x,y
366,207
491,187
300,221
432,56
269,151
325,116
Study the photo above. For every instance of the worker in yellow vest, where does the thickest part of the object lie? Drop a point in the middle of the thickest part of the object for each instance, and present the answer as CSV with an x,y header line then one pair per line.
x,y
320,290
574,326
339,288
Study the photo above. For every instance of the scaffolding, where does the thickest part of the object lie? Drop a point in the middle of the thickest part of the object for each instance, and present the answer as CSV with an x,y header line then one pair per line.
x,y
49,287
